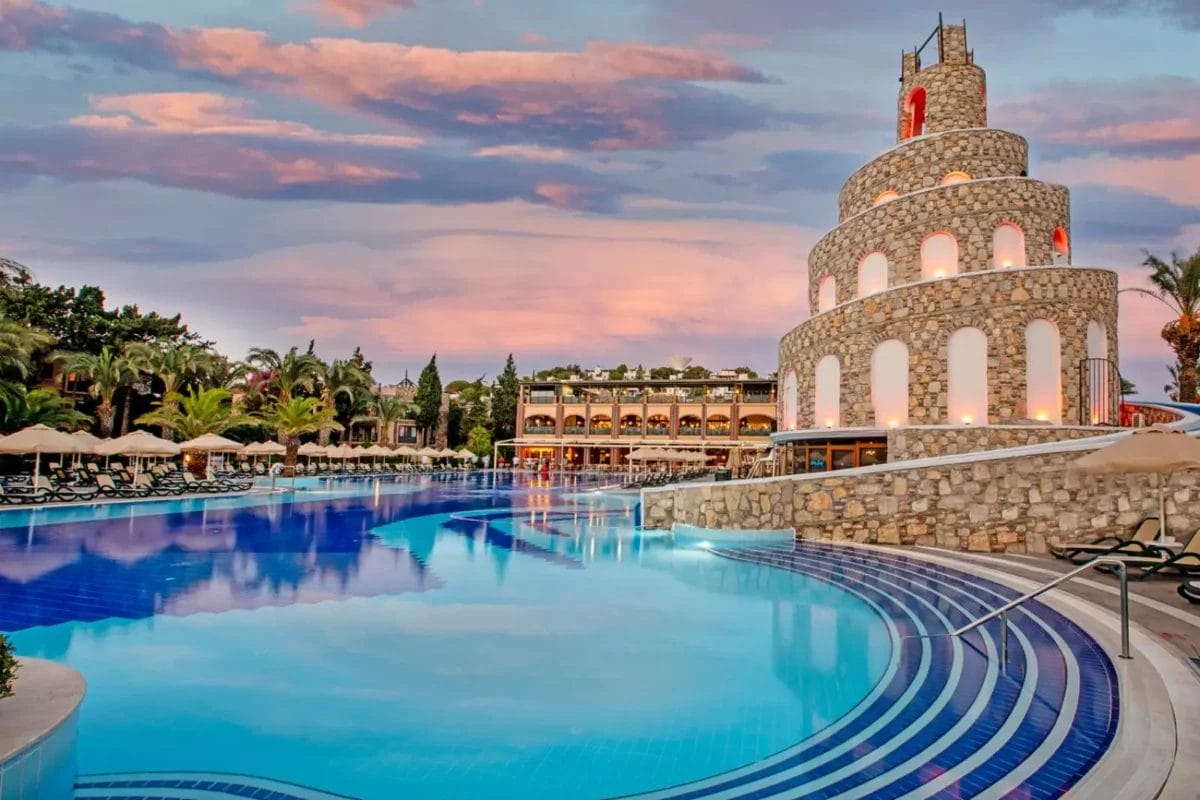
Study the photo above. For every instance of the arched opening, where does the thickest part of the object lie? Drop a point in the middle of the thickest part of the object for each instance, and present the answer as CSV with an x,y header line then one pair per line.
x,y
872,274
1008,246
939,256
966,372
600,424
658,425
826,294
756,425
884,197
827,408
1043,372
1062,246
955,177
1100,391
631,425
914,113
539,423
889,383
791,400
574,425
690,425
717,425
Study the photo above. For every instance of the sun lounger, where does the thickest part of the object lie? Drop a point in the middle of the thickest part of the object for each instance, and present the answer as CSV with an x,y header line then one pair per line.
x,y
1190,591
1186,562
1144,535
109,488
22,497
65,494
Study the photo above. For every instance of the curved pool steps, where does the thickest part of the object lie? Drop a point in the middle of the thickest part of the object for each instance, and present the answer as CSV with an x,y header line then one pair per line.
x,y
191,786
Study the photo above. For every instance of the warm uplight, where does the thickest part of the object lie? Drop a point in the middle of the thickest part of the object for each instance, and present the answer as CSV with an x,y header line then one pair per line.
x,y
894,424
828,423
967,419
1042,416
1095,419
1007,262
941,273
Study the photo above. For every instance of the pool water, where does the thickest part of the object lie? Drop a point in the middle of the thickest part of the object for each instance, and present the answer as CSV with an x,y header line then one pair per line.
x,y
474,636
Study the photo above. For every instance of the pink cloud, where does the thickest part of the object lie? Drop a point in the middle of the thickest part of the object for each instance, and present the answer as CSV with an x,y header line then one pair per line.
x,y
606,96
207,113
525,152
533,37
1175,179
357,13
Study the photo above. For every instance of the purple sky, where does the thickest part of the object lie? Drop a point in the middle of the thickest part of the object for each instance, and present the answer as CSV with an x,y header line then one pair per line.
x,y
591,182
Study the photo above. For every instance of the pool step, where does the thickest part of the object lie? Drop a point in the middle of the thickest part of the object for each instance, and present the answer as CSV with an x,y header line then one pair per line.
x,y
191,786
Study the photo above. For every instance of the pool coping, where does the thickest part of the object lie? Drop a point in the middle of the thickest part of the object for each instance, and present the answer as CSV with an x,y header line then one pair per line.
x,y
1156,752
115,501
45,695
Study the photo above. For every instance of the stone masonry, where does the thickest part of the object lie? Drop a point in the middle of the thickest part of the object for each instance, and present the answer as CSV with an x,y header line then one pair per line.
x,y
1017,504
924,315
906,444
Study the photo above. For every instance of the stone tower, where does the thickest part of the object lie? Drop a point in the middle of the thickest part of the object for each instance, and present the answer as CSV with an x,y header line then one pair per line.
x,y
946,295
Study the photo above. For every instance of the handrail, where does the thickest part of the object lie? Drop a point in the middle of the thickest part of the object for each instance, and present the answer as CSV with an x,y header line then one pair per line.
x,y
1002,611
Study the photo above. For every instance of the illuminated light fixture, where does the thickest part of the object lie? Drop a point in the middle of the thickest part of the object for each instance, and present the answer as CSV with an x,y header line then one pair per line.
x,y
1042,416
967,419
1095,419
829,423
705,545
894,423
941,273
1006,262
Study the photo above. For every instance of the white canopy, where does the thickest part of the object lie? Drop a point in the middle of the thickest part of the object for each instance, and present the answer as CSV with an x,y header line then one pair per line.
x,y
87,442
429,452
466,455
406,451
447,453
137,443
211,443
264,449
39,439
341,451
378,450
311,449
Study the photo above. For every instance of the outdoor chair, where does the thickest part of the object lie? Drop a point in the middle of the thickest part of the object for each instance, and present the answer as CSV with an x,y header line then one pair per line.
x,y
1143,536
1160,559
1190,591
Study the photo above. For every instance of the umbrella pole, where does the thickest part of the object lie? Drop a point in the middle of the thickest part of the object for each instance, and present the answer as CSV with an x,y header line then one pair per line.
x,y
37,467
1162,505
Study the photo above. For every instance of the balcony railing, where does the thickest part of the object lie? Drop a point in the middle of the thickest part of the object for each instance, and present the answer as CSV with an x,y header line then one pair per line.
x,y
606,430
658,430
718,430
539,429
574,430
631,431
689,431
542,401
754,431
571,399
757,398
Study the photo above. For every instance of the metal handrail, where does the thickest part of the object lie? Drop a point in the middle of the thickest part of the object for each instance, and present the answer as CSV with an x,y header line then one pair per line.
x,y
1002,611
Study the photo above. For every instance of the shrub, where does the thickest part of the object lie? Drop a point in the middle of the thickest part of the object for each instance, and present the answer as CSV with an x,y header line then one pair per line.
x,y
8,666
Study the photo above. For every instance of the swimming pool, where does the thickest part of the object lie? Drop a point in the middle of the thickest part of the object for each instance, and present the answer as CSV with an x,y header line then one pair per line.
x,y
492,636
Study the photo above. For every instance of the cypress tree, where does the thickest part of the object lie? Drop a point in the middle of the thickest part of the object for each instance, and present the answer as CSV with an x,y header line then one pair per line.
x,y
504,402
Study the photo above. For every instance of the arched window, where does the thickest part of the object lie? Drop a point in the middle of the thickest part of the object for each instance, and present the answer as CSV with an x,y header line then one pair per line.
x,y
826,294
939,256
601,423
1008,246
955,177
1043,372
1062,246
889,383
914,112
827,408
883,197
1099,390
791,400
966,370
573,424
658,425
872,274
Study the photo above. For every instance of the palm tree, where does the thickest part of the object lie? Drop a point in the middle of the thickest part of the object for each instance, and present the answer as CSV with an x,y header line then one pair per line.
x,y
1177,285
293,418
196,413
171,364
387,411
18,343
340,379
290,372
41,407
108,372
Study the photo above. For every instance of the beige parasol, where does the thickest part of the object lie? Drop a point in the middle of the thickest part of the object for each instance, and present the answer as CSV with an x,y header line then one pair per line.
x,y
1158,449
137,443
429,452
38,439
341,451
465,455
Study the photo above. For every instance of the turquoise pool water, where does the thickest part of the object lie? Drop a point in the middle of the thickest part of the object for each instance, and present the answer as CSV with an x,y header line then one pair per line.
x,y
469,637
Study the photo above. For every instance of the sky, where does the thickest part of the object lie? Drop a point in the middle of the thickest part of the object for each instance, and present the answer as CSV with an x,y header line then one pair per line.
x,y
572,182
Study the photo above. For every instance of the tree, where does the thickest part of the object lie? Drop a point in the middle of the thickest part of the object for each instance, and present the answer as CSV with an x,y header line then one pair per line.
x,y
107,373
199,412
18,344
41,407
696,372
475,409
747,370
504,402
341,379
1127,387
429,398
661,373
479,441
289,373
293,418
618,372
386,413
1177,285
171,364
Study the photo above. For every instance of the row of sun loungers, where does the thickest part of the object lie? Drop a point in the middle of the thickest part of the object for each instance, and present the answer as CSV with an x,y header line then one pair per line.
x,y
91,483
664,478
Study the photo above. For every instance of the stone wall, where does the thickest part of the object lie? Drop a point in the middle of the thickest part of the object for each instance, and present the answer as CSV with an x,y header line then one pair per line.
x,y
921,163
1152,415
956,89
970,212
999,302
1019,504
905,444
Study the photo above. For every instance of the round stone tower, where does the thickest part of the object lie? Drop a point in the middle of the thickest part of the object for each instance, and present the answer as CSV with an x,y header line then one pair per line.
x,y
946,294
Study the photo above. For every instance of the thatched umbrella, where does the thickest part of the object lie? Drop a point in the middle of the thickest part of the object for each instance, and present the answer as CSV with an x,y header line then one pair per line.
x,y
1158,449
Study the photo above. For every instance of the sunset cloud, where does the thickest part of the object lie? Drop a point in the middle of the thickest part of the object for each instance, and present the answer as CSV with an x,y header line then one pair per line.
x,y
356,13
607,96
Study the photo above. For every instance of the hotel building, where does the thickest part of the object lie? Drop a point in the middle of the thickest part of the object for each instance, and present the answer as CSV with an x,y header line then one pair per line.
x,y
590,422
946,297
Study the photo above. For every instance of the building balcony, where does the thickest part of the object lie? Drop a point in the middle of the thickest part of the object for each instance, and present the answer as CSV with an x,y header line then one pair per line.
x,y
718,430
658,430
539,430
758,398
689,431
574,430
631,431
541,401
754,431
